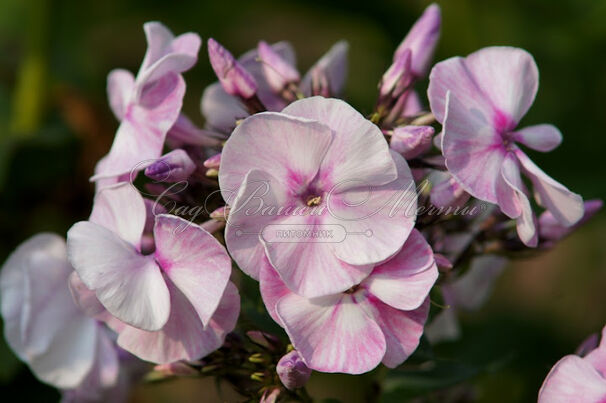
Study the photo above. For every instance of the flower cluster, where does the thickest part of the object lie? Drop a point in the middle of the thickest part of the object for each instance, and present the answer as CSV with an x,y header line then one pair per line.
x,y
348,222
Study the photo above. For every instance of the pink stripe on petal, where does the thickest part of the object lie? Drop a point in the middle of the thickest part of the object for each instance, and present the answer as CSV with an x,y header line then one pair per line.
x,y
473,150
347,163
276,143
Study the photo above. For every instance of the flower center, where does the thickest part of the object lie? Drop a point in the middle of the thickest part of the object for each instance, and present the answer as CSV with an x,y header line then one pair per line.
x,y
353,289
313,201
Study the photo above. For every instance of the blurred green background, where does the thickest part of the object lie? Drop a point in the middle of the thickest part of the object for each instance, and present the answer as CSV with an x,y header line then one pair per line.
x,y
55,124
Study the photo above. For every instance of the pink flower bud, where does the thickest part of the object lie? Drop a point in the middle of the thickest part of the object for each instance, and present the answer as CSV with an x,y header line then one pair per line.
x,y
422,40
278,72
411,141
292,370
172,167
398,77
551,230
178,368
448,193
234,78
270,396
213,162
185,132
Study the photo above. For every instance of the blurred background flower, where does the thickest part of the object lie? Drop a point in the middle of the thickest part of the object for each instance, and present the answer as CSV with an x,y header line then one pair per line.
x,y
55,124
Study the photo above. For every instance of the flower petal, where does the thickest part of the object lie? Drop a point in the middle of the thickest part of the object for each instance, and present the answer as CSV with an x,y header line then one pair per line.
x,y
120,209
332,334
331,68
566,207
508,76
130,286
358,154
288,148
498,83
167,54
472,148
246,219
194,260
404,281
539,137
422,40
42,325
402,329
120,87
184,337
515,201
573,379
310,266
142,132
472,289
272,289
220,109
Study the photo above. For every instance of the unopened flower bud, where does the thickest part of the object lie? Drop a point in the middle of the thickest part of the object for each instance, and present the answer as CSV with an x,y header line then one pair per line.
x,y
293,372
213,162
220,214
398,77
422,39
447,192
551,230
234,78
442,262
327,77
266,340
185,132
270,396
178,368
175,166
411,141
278,72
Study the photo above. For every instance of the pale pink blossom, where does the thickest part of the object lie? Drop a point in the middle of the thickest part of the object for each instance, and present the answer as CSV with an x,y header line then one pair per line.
x,y
319,165
380,319
44,327
149,104
480,101
576,379
176,303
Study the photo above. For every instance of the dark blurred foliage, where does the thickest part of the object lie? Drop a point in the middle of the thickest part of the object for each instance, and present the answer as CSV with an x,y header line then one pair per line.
x,y
55,124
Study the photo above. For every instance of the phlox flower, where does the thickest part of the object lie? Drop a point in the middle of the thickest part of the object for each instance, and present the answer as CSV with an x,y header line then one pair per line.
x,y
319,164
45,328
480,101
380,319
577,379
176,303
149,104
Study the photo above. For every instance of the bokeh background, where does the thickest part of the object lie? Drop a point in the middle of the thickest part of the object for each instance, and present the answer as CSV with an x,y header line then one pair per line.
x,y
55,124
